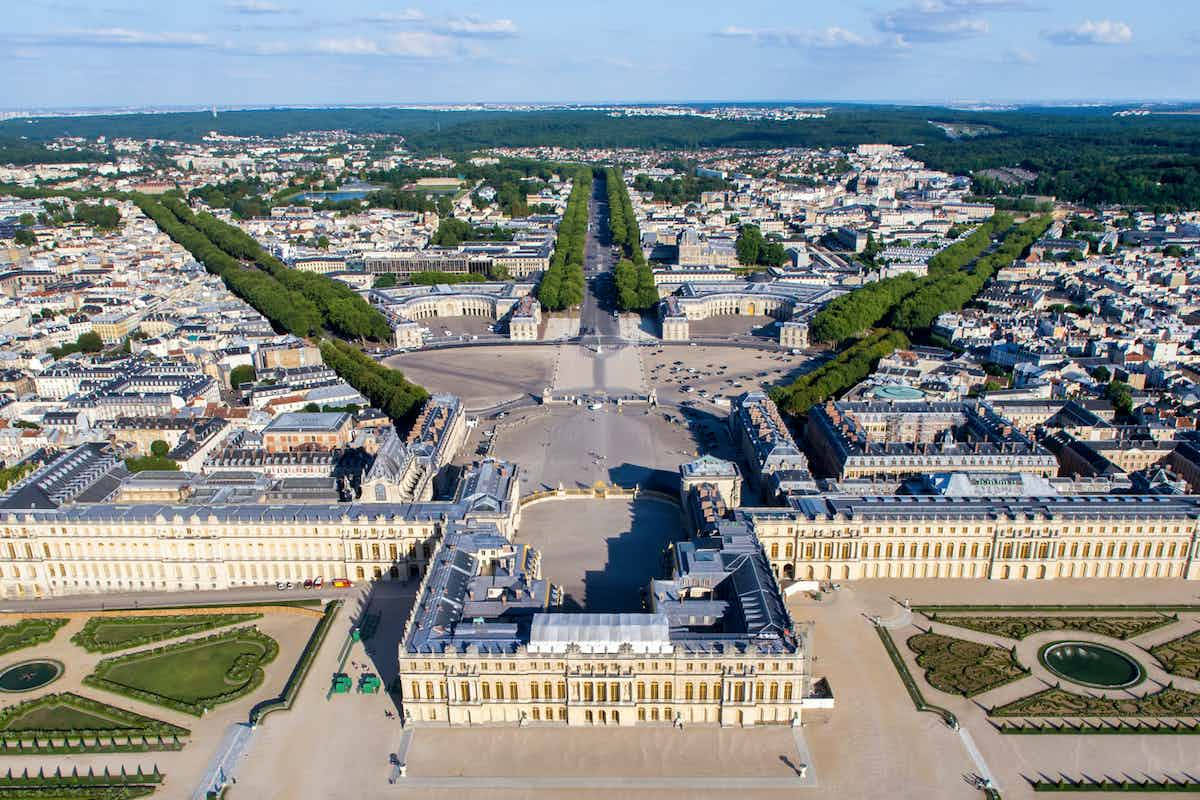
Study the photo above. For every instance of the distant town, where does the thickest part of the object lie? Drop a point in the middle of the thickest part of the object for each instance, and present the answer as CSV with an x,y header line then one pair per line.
x,y
816,446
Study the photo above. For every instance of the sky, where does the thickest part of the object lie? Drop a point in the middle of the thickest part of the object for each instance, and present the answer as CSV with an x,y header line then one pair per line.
x,y
120,53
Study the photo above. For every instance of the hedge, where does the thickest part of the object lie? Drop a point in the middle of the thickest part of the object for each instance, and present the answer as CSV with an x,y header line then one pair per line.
x,y
28,633
285,699
910,684
97,679
88,639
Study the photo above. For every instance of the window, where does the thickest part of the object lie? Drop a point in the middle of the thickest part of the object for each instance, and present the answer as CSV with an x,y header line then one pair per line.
x,y
534,693
787,691
704,691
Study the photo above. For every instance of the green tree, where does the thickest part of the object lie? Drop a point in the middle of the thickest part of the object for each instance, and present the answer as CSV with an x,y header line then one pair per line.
x,y
749,243
24,237
241,374
1101,374
1121,397
159,448
90,342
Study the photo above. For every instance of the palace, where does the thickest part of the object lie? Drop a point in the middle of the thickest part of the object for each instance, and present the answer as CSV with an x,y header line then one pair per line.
x,y
787,301
487,643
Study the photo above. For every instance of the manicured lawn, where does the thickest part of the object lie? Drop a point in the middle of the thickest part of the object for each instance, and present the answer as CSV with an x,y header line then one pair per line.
x,y
28,632
62,718
192,675
107,634
71,713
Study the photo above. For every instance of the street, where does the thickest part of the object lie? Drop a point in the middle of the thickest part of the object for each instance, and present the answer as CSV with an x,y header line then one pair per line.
x,y
599,301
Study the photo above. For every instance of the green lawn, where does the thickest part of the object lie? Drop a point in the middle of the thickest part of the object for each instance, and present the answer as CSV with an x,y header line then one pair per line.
x,y
62,718
71,713
192,675
107,634
28,632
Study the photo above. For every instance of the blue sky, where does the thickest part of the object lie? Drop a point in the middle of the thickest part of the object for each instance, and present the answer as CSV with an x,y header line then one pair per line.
x,y
68,53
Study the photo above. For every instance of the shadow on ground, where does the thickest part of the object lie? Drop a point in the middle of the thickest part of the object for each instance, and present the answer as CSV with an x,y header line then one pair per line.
x,y
634,558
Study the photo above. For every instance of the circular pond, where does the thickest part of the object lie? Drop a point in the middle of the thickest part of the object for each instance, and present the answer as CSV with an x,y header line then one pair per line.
x,y
29,675
1091,664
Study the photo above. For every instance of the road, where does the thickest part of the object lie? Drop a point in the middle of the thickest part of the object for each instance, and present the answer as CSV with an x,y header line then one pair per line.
x,y
599,300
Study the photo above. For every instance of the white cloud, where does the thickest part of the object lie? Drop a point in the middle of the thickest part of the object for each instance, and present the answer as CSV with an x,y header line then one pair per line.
x,y
825,38
476,27
394,17
119,37
257,7
1089,32
944,20
407,44
1019,55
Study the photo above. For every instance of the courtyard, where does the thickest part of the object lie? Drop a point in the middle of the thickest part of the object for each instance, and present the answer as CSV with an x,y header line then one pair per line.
x,y
481,376
603,553
578,447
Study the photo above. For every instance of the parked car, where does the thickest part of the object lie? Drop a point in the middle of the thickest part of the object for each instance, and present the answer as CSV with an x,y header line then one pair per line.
x,y
341,583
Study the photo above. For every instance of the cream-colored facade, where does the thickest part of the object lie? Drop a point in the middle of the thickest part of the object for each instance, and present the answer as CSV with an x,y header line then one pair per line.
x,y
998,538
578,688
181,548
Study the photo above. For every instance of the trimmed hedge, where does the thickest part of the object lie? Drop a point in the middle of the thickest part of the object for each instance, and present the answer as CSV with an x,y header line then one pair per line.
x,y
1018,627
91,637
91,786
127,725
1121,726
958,666
1106,784
199,706
910,684
1058,702
1180,656
285,699
28,633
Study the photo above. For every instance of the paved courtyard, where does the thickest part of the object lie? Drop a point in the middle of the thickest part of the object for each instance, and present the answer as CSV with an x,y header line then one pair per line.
x,y
578,447
602,552
481,376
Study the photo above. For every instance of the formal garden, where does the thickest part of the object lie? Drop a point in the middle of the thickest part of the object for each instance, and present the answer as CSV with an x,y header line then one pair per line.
x,y
109,634
71,723
28,633
191,676
1059,703
1180,656
968,668
961,667
1018,627
76,786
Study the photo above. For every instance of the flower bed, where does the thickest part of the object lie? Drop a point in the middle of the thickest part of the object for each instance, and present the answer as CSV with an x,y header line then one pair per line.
x,y
1057,702
1180,656
1018,627
961,667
